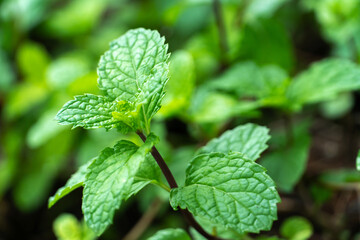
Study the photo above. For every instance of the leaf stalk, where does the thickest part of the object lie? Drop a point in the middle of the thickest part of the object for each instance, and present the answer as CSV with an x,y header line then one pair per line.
x,y
220,25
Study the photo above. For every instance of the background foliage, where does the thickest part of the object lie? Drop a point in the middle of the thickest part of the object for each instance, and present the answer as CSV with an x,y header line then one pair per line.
x,y
290,65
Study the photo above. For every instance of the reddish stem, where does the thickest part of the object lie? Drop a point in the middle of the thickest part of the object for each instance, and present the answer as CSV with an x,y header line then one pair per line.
x,y
172,183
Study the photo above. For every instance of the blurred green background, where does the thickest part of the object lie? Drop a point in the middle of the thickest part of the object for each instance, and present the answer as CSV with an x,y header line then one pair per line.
x,y
49,50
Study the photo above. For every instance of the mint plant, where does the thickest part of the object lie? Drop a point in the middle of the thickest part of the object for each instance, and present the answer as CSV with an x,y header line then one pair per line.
x,y
246,87
224,189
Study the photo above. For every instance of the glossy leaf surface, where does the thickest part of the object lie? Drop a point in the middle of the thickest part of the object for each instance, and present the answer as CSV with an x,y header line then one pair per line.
x,y
248,139
109,181
229,190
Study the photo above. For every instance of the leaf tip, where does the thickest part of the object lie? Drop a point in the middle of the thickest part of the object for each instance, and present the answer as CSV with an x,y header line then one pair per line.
x,y
51,202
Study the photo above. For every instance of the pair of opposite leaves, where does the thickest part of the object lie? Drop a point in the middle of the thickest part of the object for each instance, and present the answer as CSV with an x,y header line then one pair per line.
x,y
222,185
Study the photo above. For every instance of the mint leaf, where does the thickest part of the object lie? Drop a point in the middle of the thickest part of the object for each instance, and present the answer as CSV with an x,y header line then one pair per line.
x,y
324,80
88,111
148,172
135,70
75,181
206,105
110,179
180,85
41,171
170,233
67,227
246,79
341,178
266,42
296,228
248,139
258,9
131,58
32,60
228,190
338,107
66,69
338,19
133,74
65,22
22,99
43,130
287,163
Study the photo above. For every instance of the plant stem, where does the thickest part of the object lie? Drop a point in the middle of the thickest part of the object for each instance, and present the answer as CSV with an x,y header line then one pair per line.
x,y
157,183
162,185
160,161
144,221
172,183
221,26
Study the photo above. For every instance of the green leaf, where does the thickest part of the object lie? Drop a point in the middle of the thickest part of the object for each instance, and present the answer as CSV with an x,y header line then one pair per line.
x,y
188,18
94,142
7,74
135,70
109,181
43,130
75,181
267,42
258,8
323,81
246,79
273,86
32,60
338,19
67,227
170,233
41,171
66,21
179,161
133,74
341,178
338,107
228,190
207,104
148,172
296,228
24,98
287,163
180,85
8,168
67,68
320,193
84,84
358,161
10,159
205,56
267,83
26,14
248,139
89,111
